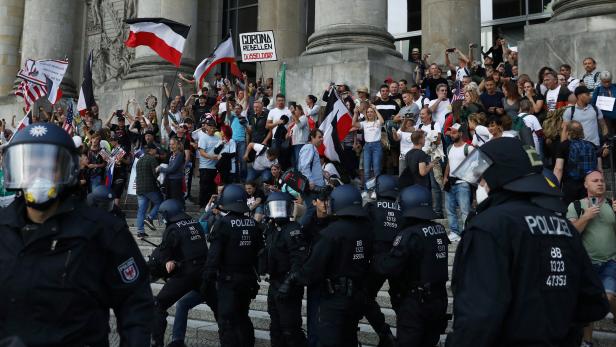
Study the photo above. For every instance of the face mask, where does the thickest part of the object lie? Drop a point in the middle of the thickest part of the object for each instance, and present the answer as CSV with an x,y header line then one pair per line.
x,y
482,194
41,192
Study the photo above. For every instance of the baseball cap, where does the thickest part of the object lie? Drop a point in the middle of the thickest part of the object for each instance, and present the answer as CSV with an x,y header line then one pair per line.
x,y
151,146
581,90
210,121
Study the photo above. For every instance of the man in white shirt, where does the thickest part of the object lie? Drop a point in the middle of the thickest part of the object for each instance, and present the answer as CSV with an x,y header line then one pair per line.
x,y
434,148
572,82
457,192
278,117
440,106
264,159
531,121
419,99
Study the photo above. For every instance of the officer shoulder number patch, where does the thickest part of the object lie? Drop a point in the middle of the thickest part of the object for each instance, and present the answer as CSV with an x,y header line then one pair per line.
x,y
129,272
397,240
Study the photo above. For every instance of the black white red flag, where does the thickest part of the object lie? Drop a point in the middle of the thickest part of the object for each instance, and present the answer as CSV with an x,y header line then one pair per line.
x,y
224,53
86,93
163,36
335,127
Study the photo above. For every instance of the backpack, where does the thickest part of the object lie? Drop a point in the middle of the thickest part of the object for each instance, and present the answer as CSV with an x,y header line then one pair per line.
x,y
466,146
552,125
524,132
582,159
296,180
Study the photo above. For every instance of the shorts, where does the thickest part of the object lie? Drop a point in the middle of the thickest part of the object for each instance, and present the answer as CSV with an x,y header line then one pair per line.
x,y
607,274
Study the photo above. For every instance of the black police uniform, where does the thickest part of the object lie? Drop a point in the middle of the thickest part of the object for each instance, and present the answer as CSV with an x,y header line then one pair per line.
x,y
286,251
521,277
385,217
417,271
183,242
235,241
60,278
339,261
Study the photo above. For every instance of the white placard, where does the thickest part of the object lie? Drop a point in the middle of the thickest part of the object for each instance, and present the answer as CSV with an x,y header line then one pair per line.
x,y
258,46
605,103
132,179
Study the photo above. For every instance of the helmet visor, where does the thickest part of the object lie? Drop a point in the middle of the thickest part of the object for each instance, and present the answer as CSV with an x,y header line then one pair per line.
x,y
278,209
472,168
24,163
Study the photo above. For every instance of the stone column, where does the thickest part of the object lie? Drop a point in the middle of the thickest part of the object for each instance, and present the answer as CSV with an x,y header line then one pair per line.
x,y
11,23
348,24
288,21
449,24
568,9
147,62
48,33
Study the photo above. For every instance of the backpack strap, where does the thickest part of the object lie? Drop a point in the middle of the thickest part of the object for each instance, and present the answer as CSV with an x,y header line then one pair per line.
x,y
572,108
596,76
465,149
432,125
577,205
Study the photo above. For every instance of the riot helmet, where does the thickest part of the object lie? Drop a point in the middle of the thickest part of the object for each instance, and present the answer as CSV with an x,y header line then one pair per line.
x,y
505,164
170,209
234,199
42,161
346,200
416,202
101,197
387,186
279,205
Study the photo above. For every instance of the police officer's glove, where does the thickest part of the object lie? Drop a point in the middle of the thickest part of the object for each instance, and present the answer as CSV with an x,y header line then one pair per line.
x,y
208,280
284,291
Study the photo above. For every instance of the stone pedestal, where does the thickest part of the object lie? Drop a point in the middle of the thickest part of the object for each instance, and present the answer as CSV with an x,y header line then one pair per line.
x,y
48,32
11,20
310,74
579,29
449,24
147,62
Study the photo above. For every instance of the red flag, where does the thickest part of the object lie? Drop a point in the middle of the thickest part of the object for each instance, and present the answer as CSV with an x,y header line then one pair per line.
x,y
224,53
335,127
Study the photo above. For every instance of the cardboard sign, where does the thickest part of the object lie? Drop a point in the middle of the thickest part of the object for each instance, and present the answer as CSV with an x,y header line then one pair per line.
x,y
258,46
605,103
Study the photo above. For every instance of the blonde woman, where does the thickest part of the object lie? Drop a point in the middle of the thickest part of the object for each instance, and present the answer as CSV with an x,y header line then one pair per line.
x,y
471,104
373,151
480,132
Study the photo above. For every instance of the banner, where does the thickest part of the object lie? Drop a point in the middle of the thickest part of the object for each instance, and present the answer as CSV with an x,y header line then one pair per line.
x,y
45,72
132,180
258,46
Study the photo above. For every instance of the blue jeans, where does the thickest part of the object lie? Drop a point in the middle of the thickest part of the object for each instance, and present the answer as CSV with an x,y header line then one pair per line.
x,y
253,174
95,182
240,150
438,194
607,274
459,196
142,201
313,298
373,155
188,301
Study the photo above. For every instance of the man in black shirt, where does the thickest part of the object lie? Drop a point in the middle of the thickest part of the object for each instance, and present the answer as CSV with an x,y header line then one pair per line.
x,y
429,83
418,163
201,106
492,99
258,119
121,132
387,107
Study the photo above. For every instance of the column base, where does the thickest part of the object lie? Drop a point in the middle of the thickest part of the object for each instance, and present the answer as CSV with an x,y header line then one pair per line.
x,y
310,73
570,9
568,42
351,36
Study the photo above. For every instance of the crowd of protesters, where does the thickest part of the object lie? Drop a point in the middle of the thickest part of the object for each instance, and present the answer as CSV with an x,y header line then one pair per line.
x,y
240,131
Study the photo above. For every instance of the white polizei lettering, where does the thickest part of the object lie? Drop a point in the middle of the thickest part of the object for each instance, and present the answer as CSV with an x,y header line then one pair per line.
x,y
185,222
388,204
433,230
242,222
548,225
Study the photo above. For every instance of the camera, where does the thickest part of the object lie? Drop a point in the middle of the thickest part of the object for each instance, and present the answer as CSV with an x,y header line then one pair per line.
x,y
450,50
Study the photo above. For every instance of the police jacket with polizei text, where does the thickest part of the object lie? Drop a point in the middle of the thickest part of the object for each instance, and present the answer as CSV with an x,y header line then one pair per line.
x,y
521,277
183,240
342,250
418,258
60,278
286,248
386,219
235,241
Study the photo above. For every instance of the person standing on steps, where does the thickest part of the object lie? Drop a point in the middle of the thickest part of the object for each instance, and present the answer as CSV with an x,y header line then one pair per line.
x,y
183,251
385,218
285,251
416,266
235,242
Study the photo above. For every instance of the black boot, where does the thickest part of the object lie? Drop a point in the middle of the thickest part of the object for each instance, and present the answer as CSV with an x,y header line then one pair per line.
x,y
386,338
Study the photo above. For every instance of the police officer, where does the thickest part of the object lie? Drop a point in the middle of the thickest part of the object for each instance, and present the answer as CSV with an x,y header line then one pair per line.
x,y
63,264
102,197
385,218
235,241
521,276
286,251
417,271
183,251
339,261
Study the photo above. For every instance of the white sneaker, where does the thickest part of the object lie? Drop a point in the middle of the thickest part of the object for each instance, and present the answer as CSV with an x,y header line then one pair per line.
x,y
453,237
